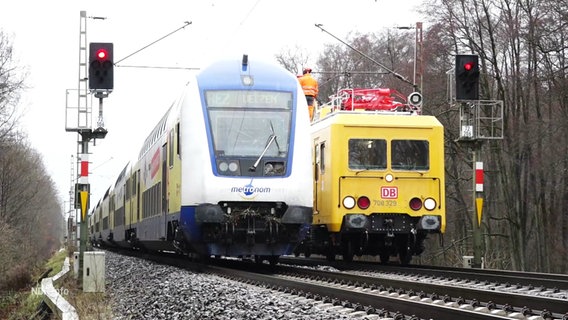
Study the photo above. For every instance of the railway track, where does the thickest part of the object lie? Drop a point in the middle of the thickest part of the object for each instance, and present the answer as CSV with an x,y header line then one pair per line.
x,y
546,293
364,293
503,278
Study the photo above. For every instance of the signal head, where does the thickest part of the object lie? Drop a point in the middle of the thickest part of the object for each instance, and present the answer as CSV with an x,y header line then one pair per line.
x,y
101,64
467,77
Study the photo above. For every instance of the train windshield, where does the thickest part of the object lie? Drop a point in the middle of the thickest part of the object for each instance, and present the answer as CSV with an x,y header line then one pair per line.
x,y
367,154
410,155
246,122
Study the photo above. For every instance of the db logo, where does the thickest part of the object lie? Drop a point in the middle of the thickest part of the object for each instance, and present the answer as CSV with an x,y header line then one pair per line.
x,y
389,192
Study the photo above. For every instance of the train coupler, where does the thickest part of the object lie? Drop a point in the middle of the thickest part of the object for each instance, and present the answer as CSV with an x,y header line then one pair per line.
x,y
250,238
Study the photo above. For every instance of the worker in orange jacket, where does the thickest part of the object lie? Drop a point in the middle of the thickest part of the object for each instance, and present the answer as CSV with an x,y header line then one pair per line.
x,y
310,86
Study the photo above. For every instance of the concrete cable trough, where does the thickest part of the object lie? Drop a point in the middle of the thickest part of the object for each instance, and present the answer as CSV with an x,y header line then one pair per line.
x,y
52,297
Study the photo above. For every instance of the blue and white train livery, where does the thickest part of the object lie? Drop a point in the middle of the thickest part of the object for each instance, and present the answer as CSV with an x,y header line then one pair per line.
x,y
226,172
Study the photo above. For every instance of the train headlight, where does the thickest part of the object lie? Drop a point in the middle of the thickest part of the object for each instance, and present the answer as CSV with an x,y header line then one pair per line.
x,y
349,202
268,169
415,204
429,223
274,168
247,80
233,166
223,166
363,202
430,204
415,99
389,177
356,220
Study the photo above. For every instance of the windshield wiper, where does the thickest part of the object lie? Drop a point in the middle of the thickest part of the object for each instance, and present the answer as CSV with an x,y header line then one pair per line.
x,y
276,141
271,139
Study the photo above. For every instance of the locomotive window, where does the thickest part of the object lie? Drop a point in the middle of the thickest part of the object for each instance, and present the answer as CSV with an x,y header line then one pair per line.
x,y
410,155
322,157
367,154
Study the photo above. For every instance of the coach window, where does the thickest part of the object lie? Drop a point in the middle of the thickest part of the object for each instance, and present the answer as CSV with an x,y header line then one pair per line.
x,y
127,192
367,154
410,155
171,149
178,145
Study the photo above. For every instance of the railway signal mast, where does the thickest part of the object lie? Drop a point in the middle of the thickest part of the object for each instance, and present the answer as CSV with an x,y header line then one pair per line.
x,y
97,72
480,120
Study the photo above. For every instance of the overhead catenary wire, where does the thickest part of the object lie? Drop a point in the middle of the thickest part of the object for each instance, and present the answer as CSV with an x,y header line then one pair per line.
x,y
395,74
158,67
185,24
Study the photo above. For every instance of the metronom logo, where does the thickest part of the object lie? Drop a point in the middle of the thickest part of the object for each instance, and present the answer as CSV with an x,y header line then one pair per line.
x,y
250,191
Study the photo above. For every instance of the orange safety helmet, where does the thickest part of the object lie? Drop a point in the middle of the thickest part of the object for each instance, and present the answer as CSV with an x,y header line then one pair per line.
x,y
307,70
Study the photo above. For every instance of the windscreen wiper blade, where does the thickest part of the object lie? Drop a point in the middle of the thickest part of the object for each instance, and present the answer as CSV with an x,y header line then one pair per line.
x,y
271,139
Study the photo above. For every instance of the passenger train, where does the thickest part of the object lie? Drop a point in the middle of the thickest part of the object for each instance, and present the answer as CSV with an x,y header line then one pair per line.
x,y
378,168
225,172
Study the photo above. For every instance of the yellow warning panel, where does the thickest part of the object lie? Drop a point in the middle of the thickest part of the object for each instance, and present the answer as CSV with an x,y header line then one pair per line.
x,y
479,208
84,201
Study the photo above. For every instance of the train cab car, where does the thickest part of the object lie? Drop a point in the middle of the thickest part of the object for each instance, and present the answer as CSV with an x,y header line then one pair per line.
x,y
225,172
246,186
378,183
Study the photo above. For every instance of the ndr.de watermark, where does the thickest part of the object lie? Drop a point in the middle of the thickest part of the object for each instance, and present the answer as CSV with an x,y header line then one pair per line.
x,y
61,291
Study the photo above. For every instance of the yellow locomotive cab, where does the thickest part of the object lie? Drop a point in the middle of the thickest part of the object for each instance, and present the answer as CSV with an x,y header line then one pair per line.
x,y
378,183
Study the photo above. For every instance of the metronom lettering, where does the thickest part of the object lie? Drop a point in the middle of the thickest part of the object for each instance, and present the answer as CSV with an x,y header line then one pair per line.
x,y
250,189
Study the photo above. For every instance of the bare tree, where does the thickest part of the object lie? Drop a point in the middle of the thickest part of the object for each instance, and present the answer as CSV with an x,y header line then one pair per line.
x,y
30,213
294,59
11,85
522,54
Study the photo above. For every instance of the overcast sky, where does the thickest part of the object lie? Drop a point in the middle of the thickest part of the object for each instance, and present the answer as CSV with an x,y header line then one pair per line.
x,y
45,37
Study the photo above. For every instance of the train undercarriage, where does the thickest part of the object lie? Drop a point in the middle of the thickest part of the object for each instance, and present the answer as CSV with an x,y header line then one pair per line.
x,y
260,231
385,242
263,231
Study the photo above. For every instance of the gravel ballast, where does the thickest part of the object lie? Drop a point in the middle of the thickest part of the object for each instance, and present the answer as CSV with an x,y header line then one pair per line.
x,y
140,289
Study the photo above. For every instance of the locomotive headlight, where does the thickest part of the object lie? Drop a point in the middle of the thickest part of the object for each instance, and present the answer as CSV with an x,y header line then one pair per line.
x,y
429,223
349,202
389,177
233,166
356,220
223,166
430,204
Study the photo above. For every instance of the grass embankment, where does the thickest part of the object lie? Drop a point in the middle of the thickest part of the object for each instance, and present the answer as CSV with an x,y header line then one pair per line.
x,y
23,304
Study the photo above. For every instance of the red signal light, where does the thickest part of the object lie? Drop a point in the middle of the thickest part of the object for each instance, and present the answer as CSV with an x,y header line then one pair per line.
x,y
102,54
468,66
363,202
415,204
